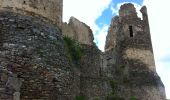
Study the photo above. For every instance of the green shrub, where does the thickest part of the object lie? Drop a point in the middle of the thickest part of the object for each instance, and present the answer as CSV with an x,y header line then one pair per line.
x,y
80,98
74,48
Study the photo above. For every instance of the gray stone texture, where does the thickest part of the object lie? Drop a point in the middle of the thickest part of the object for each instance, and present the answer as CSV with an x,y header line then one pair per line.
x,y
92,82
34,50
50,9
79,31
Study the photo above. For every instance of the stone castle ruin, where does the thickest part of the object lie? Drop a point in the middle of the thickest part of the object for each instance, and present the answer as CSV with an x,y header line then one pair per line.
x,y
35,63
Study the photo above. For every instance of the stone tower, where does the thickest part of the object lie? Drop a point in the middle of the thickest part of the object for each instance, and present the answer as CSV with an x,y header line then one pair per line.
x,y
129,45
131,35
49,9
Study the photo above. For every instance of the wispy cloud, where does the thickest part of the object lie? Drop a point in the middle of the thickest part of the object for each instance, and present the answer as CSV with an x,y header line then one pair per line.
x,y
101,37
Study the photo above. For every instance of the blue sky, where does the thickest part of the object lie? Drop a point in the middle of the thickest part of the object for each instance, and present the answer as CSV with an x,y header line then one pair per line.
x,y
107,14
98,13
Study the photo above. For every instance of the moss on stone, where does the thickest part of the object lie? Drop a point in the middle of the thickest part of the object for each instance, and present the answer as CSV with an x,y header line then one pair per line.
x,y
74,48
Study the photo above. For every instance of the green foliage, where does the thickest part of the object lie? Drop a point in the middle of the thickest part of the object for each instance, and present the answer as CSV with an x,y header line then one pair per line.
x,y
80,98
74,48
134,98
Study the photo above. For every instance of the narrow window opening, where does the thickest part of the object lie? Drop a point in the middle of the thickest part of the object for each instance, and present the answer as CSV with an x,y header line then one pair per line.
x,y
24,2
44,8
131,31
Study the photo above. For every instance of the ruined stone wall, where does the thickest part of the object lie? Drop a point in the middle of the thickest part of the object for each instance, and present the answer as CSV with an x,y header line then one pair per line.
x,y
50,9
35,62
34,51
79,31
93,83
127,11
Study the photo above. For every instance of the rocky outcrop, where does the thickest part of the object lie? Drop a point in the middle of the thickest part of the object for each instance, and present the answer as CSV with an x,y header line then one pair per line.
x,y
79,31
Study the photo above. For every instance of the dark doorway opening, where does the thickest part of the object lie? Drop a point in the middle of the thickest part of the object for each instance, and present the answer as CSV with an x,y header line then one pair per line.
x,y
131,31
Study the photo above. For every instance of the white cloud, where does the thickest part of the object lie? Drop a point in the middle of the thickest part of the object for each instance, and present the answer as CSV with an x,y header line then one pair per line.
x,y
86,11
159,19
114,10
101,37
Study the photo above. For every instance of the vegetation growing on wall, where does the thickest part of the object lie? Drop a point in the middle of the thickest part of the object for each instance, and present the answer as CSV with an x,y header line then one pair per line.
x,y
74,48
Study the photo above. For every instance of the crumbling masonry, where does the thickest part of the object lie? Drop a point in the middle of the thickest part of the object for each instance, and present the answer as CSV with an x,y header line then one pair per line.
x,y
34,61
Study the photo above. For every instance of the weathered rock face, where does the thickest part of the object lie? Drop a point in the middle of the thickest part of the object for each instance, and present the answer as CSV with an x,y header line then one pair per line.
x,y
78,31
129,56
50,9
34,52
